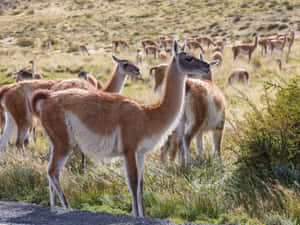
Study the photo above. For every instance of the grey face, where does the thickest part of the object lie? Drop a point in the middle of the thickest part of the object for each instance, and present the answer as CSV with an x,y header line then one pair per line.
x,y
127,67
24,75
192,65
83,75
189,64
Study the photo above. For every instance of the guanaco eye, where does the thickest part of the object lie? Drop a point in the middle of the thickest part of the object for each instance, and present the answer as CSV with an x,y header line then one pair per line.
x,y
189,59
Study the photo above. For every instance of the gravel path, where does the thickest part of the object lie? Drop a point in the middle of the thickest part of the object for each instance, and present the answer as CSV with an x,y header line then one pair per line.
x,y
18,213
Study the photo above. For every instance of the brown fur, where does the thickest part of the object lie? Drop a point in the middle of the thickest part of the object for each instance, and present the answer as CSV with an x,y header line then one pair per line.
x,y
149,42
277,44
118,44
217,49
198,93
218,56
249,48
152,50
103,112
91,79
83,49
158,73
264,44
206,40
194,45
240,75
167,43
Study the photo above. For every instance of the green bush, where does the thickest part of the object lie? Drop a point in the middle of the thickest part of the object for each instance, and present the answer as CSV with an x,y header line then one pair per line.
x,y
277,220
269,156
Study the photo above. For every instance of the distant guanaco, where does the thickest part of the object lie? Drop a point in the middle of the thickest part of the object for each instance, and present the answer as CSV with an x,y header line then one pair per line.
x,y
206,41
149,42
284,68
238,75
120,44
152,50
245,49
83,49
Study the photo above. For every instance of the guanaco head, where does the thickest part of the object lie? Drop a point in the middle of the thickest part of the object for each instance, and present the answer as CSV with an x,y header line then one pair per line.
x,y
31,62
278,61
224,41
187,63
126,67
83,75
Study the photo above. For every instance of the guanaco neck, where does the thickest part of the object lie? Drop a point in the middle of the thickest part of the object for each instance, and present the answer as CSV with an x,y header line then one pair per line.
x,y
280,65
255,43
116,81
162,115
32,69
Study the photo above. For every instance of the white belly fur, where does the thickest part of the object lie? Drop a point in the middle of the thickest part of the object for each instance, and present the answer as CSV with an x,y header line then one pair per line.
x,y
93,144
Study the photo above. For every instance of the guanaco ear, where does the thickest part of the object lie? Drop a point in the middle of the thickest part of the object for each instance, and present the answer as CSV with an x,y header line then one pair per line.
x,y
115,59
214,62
201,56
175,47
183,46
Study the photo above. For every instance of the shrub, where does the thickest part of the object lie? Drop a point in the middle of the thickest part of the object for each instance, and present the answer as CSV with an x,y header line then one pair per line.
x,y
269,151
277,220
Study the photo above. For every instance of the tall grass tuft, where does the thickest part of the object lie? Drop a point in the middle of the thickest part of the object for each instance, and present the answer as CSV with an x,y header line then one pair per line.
x,y
269,156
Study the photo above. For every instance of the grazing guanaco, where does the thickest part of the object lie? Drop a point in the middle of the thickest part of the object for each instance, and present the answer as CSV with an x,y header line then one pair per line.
x,y
206,41
152,50
139,56
83,49
90,78
245,49
284,68
167,43
14,98
218,56
238,75
277,44
149,42
194,45
120,44
109,125
204,111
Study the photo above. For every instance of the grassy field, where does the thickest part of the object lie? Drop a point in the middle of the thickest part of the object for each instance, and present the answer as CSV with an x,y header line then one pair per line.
x,y
212,191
